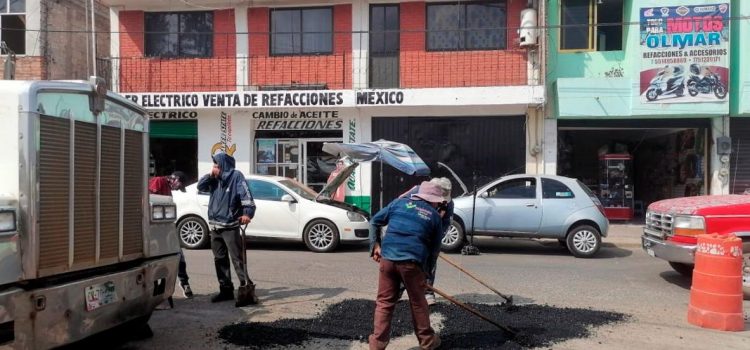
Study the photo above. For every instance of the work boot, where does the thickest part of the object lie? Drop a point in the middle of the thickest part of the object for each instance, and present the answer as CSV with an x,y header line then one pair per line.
x,y
224,295
187,292
246,296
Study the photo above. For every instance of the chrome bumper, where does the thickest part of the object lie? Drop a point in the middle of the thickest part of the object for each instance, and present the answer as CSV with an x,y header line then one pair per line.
x,y
669,251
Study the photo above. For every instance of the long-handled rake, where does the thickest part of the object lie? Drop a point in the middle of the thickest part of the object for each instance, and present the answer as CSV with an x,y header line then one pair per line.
x,y
474,311
508,298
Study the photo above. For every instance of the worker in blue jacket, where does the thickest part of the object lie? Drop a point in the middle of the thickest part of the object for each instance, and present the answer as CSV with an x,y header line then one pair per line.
x,y
230,205
411,242
447,207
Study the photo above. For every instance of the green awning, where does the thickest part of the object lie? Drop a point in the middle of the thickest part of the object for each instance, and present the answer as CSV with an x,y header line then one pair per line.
x,y
174,129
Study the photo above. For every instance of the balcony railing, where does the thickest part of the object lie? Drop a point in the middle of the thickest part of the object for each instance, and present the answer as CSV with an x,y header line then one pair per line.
x,y
406,69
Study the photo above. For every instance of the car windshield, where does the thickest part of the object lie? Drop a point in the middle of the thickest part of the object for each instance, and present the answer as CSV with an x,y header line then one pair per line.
x,y
299,189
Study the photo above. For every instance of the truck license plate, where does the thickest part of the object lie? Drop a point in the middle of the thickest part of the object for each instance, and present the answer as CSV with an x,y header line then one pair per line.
x,y
99,295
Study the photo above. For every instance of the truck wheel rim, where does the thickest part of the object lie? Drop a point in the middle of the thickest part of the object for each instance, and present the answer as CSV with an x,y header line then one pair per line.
x,y
451,236
191,232
746,272
321,236
584,241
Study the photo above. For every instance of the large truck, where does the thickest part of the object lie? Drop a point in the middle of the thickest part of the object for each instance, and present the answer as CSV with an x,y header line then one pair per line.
x,y
83,247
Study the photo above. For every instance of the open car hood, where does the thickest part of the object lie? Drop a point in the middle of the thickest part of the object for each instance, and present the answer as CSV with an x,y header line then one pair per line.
x,y
455,177
331,187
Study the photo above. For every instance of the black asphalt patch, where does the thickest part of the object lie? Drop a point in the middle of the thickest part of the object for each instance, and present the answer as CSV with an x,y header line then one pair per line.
x,y
352,319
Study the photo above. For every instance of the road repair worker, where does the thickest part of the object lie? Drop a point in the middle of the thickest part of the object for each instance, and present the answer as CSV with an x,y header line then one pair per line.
x,y
411,242
231,204
445,209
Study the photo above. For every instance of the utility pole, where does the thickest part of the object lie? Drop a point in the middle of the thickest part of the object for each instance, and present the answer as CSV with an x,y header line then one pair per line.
x,y
93,39
9,71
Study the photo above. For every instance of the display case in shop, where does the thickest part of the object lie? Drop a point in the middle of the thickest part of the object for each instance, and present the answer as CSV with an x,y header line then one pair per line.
x,y
616,185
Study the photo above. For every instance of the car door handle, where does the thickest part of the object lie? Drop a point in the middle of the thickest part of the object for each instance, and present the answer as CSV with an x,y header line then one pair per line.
x,y
530,205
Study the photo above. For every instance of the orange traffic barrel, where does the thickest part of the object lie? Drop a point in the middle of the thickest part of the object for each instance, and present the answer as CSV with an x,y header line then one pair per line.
x,y
716,293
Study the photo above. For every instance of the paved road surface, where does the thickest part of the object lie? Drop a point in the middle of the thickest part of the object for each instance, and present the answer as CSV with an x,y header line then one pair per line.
x,y
293,282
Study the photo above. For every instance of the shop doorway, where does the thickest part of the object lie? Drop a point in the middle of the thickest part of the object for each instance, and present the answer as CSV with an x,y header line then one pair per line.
x,y
301,159
631,167
174,146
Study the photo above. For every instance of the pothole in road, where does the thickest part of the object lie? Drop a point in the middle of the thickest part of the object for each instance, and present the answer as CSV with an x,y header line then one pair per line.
x,y
351,319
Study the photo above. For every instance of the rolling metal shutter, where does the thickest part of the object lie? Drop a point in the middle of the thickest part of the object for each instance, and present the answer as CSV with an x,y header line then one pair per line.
x,y
739,170
490,146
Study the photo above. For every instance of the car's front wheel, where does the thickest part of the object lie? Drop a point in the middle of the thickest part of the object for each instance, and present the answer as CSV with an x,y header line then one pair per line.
x,y
454,237
321,236
193,233
584,241
683,269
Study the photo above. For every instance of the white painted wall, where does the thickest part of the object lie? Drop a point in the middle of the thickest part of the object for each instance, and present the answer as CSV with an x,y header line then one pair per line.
x,y
33,26
209,133
114,46
242,44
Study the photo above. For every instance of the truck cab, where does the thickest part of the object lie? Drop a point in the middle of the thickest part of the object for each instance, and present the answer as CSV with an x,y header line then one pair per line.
x,y
673,225
83,247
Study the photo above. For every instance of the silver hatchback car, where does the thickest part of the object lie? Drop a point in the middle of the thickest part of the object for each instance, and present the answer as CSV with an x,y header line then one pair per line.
x,y
532,206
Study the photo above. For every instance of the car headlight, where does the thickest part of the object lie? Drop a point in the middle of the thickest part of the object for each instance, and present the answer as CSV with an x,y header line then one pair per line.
x,y
7,220
688,225
355,217
157,212
170,212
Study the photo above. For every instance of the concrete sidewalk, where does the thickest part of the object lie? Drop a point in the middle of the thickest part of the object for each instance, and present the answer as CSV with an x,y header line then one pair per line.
x,y
624,235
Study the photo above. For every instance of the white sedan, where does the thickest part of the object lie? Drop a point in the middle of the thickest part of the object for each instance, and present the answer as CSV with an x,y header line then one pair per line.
x,y
285,209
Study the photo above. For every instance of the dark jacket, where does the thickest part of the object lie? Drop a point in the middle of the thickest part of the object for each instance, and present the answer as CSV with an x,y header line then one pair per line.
x,y
414,232
230,196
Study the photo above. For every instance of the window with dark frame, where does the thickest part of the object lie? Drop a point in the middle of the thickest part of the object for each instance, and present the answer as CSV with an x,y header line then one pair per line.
x,y
466,26
13,25
306,31
179,34
591,25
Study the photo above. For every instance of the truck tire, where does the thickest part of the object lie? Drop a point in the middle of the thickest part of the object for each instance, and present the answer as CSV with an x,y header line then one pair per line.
x,y
683,269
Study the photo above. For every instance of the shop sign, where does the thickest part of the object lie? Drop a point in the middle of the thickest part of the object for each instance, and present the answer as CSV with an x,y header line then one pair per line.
x,y
173,115
297,120
685,53
239,99
225,136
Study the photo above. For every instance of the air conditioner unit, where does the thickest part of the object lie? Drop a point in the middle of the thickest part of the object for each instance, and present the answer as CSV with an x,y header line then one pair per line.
x,y
528,32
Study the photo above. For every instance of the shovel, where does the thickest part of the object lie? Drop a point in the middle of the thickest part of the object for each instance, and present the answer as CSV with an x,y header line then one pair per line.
x,y
246,292
508,298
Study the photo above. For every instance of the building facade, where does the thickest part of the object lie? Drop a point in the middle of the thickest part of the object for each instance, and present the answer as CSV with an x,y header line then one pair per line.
x,y
53,39
271,81
640,95
739,92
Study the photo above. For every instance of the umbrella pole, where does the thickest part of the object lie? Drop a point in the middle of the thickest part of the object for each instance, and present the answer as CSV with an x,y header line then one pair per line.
x,y
381,182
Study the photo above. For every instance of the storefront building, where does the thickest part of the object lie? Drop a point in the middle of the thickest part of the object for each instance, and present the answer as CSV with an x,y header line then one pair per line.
x,y
739,93
272,82
637,119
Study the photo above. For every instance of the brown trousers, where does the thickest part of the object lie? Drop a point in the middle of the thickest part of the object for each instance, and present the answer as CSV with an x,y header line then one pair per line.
x,y
412,276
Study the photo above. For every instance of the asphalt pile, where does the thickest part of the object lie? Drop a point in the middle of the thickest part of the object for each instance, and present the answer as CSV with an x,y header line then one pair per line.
x,y
536,326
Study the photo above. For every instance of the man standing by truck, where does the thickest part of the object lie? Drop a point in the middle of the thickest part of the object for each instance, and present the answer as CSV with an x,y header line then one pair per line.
x,y
164,185
230,205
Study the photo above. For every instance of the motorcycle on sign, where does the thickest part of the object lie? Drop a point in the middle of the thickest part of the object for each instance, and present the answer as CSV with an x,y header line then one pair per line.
x,y
669,81
708,83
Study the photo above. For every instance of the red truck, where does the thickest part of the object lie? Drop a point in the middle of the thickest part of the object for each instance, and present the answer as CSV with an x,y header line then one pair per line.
x,y
672,227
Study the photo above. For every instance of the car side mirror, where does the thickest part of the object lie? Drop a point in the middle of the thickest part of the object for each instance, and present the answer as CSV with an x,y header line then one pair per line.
x,y
288,198
483,195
